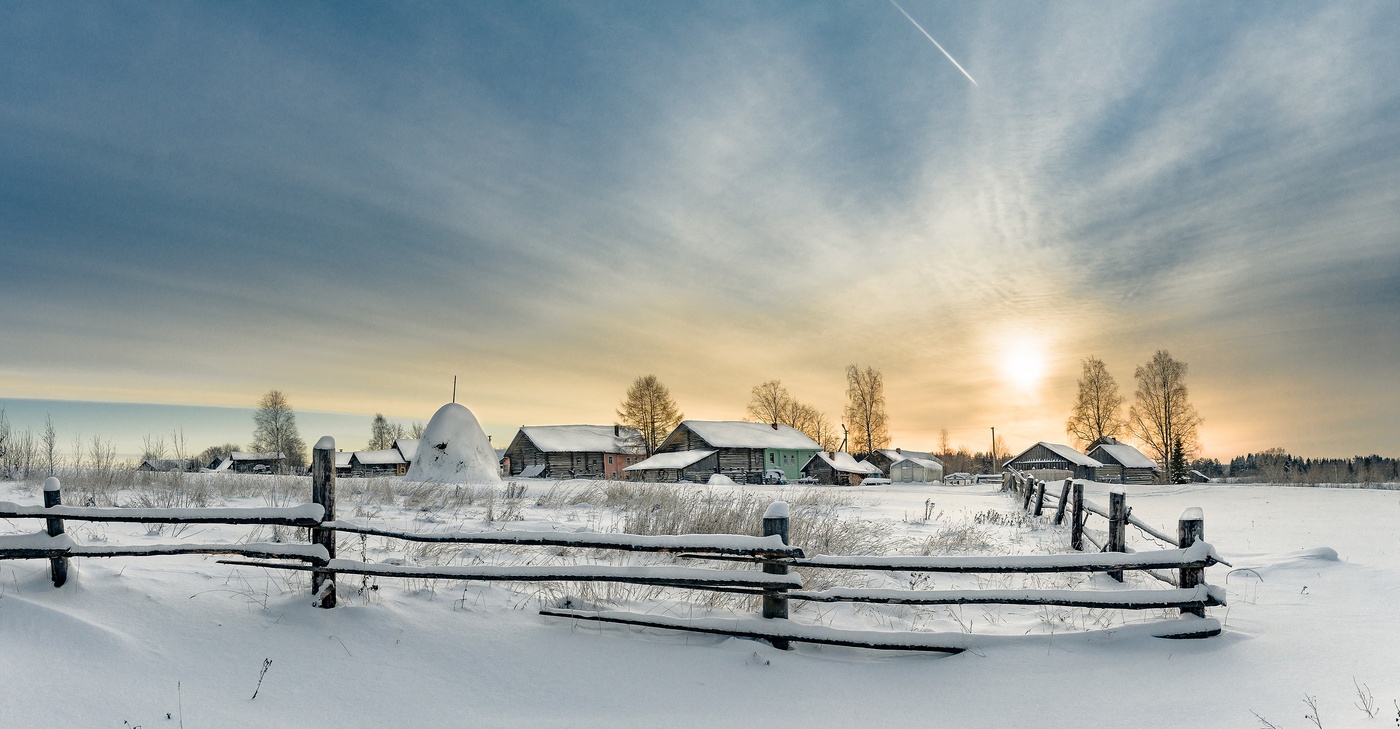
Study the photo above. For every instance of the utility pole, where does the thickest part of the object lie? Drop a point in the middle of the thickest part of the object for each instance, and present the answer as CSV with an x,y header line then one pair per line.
x,y
994,451
454,388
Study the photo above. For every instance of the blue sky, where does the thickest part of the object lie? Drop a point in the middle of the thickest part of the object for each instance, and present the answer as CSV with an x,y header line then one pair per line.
x,y
353,202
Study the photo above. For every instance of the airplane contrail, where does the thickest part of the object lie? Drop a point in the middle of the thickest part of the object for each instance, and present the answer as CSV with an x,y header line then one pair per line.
x,y
936,43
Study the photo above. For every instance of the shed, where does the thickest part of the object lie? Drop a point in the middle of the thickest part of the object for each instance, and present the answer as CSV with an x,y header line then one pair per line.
x,y
388,462
249,462
695,466
837,467
902,466
1133,466
1045,456
164,464
745,452
574,451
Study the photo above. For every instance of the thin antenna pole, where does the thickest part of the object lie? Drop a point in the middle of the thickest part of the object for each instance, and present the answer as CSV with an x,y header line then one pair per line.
x,y
454,389
994,450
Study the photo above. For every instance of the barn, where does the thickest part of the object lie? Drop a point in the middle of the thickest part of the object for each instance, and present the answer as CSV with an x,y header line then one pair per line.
x,y
388,462
1058,457
838,468
573,451
250,462
1133,466
745,452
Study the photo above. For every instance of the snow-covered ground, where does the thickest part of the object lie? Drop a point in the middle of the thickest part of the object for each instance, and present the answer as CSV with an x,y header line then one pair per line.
x,y
131,640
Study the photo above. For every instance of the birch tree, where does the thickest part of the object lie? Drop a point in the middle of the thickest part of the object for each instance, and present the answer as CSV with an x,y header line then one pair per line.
x,y
865,410
1098,407
275,429
649,409
1162,412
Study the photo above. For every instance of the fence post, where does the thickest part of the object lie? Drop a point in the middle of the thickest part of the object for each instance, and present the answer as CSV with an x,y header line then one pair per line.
x,y
1060,507
1189,530
1039,497
775,604
1029,490
1076,527
53,496
1117,526
323,493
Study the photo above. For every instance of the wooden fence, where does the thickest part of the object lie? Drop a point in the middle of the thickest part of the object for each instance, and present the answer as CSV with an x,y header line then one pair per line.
x,y
776,583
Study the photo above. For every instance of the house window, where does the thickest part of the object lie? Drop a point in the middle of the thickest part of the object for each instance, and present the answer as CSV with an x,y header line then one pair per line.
x,y
770,458
610,460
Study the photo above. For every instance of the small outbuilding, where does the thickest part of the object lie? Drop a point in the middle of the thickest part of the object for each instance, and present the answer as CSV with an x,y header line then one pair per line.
x,y
901,466
253,462
838,468
1133,467
162,465
388,462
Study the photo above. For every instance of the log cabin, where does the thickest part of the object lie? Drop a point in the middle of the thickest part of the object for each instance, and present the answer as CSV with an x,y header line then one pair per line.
x,y
573,451
745,452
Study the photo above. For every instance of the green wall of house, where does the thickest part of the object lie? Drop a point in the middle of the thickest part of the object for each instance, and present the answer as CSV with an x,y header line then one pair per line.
x,y
789,461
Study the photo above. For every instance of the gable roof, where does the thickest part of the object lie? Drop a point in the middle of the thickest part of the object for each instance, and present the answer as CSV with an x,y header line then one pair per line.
x,y
843,462
931,464
1063,451
342,459
378,458
740,434
408,447
1124,455
894,454
583,438
669,461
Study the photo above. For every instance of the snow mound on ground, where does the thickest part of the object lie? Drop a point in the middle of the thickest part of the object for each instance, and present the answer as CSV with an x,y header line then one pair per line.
x,y
719,479
454,449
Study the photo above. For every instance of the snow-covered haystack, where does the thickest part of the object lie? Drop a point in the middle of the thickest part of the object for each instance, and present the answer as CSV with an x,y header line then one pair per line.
x,y
454,449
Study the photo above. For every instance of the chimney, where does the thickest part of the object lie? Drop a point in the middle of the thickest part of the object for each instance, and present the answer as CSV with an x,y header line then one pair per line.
x,y
832,454
617,430
775,426
899,451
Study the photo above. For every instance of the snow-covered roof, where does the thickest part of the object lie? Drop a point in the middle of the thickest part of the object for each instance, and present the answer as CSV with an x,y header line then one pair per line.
x,y
534,471
932,464
253,456
894,454
584,438
165,464
1065,452
674,460
1125,455
379,458
342,459
223,464
739,434
843,462
408,447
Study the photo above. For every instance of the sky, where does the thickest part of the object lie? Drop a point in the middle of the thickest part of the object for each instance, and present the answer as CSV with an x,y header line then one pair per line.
x,y
353,202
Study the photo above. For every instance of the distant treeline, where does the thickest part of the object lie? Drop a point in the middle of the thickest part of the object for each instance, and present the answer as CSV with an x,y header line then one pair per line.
x,y
1278,466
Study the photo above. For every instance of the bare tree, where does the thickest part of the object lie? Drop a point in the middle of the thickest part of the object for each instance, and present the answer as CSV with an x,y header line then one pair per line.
x,y
275,429
770,402
865,410
207,456
48,446
153,448
1098,408
5,443
416,431
1162,412
649,408
817,426
945,447
381,433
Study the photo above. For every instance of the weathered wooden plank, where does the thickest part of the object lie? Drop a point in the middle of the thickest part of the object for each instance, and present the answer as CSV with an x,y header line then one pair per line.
x,y
713,543
310,553
1198,596
771,631
632,574
305,515
323,494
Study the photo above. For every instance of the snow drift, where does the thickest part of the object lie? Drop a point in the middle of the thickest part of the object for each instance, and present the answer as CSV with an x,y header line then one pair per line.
x,y
454,449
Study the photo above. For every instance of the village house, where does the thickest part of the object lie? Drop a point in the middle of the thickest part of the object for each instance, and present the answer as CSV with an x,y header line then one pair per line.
x,y
744,452
1050,461
1131,465
251,462
162,465
573,451
838,468
901,466
388,462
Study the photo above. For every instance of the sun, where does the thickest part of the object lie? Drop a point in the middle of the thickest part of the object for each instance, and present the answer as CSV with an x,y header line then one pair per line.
x,y
1023,366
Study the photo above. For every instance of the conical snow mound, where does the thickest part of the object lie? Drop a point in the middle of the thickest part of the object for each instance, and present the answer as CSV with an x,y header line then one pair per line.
x,y
454,449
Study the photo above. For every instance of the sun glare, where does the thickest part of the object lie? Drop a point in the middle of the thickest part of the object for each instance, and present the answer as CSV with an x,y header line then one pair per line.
x,y
1023,367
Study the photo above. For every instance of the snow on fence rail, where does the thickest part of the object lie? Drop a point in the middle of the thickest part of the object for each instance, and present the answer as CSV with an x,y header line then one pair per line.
x,y
775,582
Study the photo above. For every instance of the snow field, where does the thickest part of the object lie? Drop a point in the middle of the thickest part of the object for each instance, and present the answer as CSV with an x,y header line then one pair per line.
x,y
1311,606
